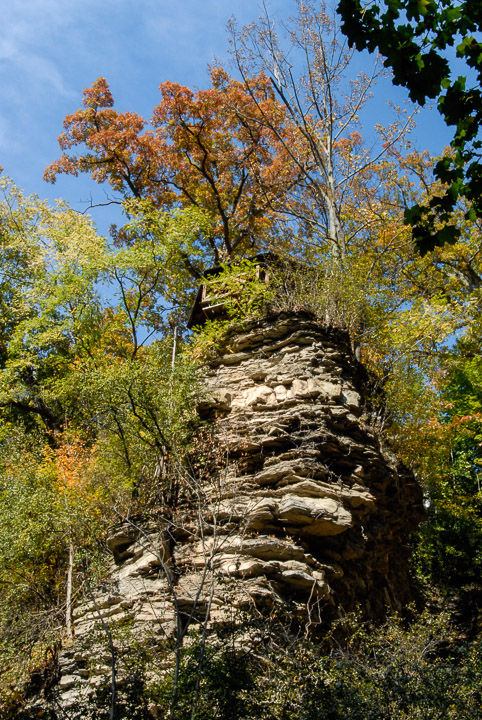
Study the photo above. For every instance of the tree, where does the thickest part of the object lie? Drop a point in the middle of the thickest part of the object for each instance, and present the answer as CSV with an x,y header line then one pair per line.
x,y
96,409
207,150
276,160
341,179
69,301
450,546
50,303
416,39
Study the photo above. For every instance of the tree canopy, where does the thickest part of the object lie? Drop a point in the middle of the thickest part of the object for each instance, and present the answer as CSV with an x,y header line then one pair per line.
x,y
208,150
425,43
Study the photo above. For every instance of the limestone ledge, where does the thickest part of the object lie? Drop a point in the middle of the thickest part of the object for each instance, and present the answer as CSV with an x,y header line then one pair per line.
x,y
306,504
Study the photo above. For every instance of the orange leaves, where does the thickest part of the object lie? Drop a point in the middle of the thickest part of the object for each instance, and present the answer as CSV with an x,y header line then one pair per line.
x,y
80,496
98,96
119,151
70,458
212,149
220,154
348,143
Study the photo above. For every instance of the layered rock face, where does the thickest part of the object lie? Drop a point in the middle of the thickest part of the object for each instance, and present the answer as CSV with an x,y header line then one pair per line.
x,y
304,510
311,505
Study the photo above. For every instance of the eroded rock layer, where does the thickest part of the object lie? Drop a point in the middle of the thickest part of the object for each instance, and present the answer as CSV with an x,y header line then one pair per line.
x,y
305,509
310,501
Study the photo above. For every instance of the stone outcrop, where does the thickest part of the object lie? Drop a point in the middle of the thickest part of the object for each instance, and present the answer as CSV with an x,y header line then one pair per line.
x,y
304,509
311,503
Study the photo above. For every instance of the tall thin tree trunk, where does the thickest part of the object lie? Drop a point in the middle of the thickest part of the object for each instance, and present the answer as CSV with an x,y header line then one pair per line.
x,y
68,594
174,348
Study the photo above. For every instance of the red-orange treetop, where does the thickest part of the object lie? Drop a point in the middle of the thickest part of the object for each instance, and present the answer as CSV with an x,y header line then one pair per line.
x,y
211,149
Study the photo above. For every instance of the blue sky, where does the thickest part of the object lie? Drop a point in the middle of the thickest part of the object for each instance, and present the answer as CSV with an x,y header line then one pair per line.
x,y
51,49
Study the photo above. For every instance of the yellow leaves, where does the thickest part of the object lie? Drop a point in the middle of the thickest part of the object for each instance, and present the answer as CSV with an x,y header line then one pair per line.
x,y
74,464
70,458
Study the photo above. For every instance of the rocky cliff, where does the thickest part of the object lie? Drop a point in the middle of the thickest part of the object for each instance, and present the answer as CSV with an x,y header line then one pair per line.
x,y
303,508
311,504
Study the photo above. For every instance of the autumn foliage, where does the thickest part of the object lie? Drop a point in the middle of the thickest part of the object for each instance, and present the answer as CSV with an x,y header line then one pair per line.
x,y
210,149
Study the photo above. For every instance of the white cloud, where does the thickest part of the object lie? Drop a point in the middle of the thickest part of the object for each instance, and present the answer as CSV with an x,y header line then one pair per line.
x,y
51,49
30,31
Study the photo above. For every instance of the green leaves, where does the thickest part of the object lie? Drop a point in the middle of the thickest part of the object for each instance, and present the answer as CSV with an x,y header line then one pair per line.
x,y
97,412
397,670
414,50
142,409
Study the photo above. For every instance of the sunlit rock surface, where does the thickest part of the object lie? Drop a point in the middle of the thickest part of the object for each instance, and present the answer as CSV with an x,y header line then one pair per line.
x,y
304,508
304,470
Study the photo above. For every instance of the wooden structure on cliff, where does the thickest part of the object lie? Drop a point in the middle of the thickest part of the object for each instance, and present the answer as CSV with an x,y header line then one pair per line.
x,y
208,305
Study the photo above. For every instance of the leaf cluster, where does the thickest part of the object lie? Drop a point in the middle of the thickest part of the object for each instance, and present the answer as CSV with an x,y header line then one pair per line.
x,y
417,40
